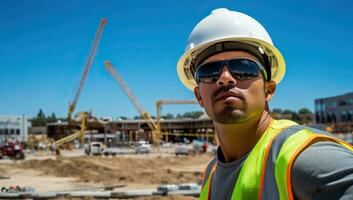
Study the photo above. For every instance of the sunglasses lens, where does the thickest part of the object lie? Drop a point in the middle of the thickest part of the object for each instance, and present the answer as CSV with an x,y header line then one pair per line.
x,y
240,68
208,72
243,68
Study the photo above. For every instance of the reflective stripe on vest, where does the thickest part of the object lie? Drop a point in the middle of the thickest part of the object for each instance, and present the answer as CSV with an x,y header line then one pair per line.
x,y
205,194
266,172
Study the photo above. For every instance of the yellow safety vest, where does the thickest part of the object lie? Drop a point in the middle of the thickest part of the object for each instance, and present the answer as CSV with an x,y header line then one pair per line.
x,y
292,140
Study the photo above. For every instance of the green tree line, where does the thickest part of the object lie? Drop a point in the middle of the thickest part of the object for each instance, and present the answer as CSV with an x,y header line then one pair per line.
x,y
41,119
190,115
303,115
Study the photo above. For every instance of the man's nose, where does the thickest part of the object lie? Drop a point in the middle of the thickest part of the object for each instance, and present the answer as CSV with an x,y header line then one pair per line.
x,y
226,78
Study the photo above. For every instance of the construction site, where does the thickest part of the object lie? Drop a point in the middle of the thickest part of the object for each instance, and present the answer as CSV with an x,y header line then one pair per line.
x,y
87,157
147,157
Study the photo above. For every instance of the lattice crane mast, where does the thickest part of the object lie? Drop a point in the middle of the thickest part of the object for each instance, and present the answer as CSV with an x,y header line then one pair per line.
x,y
89,62
134,101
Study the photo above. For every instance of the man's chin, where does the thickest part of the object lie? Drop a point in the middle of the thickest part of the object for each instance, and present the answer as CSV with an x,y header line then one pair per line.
x,y
230,117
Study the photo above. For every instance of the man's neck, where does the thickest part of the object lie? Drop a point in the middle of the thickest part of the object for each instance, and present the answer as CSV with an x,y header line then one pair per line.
x,y
238,139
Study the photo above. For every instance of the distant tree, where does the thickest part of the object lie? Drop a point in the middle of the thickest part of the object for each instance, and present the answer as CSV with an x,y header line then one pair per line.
x,y
306,116
123,117
51,118
296,118
292,115
192,114
288,112
63,119
140,117
41,114
40,119
277,111
304,111
168,116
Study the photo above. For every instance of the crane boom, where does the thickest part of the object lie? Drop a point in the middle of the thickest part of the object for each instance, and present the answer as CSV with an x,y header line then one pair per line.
x,y
132,98
89,62
78,134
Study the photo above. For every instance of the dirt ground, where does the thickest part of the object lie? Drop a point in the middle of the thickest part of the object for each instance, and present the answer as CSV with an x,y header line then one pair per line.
x,y
87,171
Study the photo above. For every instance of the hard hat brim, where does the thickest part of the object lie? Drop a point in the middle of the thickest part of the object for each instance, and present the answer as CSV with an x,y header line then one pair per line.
x,y
278,67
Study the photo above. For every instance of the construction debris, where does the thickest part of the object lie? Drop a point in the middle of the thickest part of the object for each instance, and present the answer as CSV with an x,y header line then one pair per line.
x,y
17,189
27,192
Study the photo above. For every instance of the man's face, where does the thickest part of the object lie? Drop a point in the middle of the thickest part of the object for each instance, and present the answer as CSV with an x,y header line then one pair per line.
x,y
229,100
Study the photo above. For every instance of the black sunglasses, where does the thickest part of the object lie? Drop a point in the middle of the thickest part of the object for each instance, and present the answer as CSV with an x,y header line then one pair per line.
x,y
240,68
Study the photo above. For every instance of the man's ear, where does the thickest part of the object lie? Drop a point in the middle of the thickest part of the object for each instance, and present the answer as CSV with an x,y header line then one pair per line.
x,y
270,88
198,96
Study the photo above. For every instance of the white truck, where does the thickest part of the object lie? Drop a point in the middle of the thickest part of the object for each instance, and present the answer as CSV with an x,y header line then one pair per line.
x,y
99,149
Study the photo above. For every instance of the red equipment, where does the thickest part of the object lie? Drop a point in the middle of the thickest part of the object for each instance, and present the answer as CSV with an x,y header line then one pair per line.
x,y
12,150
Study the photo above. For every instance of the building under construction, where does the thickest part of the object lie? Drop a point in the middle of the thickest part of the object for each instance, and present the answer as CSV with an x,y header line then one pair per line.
x,y
130,131
336,112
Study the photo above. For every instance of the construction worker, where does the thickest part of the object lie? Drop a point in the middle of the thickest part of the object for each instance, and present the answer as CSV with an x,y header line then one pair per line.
x,y
58,155
233,67
53,148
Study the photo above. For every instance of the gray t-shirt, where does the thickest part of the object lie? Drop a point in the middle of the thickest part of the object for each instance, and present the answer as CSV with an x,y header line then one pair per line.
x,y
323,171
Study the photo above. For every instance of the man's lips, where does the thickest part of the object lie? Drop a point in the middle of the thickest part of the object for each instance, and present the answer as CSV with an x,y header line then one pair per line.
x,y
227,95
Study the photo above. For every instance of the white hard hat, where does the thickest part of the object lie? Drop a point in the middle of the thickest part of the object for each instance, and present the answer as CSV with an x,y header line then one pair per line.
x,y
223,26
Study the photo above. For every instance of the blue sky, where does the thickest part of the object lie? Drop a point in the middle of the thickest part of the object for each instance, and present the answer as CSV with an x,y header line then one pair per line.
x,y
44,46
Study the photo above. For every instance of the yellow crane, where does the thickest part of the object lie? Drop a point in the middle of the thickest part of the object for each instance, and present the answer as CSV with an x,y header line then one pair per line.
x,y
78,134
133,99
159,104
89,62
72,106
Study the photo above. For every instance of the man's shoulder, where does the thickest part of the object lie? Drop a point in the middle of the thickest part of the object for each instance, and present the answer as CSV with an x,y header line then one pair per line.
x,y
315,130
284,124
325,164
322,155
